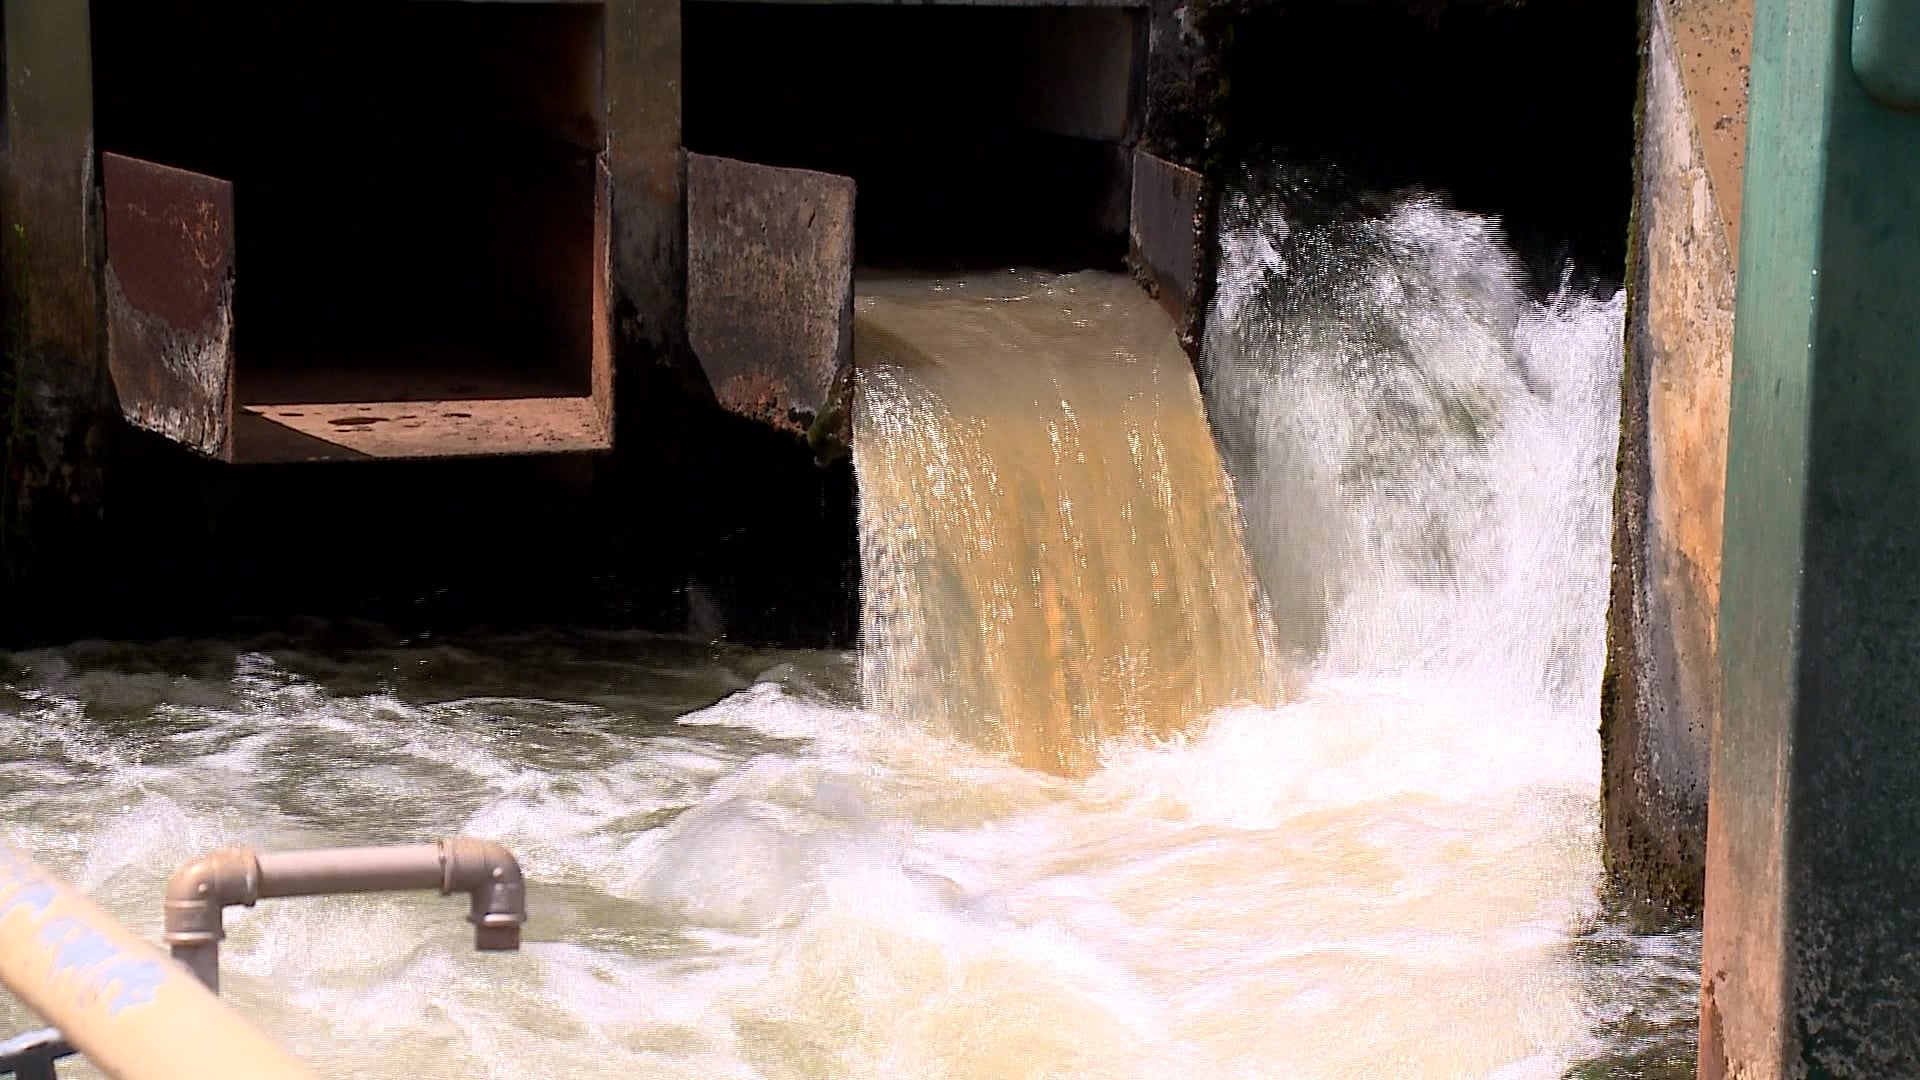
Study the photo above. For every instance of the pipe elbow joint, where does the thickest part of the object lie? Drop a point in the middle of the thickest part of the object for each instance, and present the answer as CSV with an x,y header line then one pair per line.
x,y
488,873
200,891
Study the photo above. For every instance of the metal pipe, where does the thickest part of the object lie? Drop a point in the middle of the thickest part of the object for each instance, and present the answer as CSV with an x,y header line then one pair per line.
x,y
199,893
347,870
134,1013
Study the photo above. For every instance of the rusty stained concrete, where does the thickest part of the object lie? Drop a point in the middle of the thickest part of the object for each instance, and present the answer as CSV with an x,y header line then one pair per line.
x,y
1711,41
1662,689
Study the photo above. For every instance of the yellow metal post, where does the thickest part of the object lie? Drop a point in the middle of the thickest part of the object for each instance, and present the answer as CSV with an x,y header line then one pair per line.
x,y
135,1013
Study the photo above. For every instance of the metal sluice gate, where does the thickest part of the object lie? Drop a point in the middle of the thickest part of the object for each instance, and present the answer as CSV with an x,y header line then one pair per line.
x,y
139,1014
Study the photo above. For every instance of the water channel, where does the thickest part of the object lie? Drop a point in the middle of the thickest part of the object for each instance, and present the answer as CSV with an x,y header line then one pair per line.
x,y
1245,734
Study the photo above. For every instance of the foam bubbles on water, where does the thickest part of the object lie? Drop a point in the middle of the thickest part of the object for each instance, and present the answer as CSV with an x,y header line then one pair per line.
x,y
1424,454
1344,742
780,885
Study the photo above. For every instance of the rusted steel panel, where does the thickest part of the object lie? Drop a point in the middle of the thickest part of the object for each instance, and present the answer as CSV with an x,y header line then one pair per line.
x,y
769,285
1161,231
169,286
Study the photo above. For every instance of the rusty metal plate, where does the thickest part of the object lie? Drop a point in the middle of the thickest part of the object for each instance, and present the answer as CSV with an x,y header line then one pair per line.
x,y
769,285
1162,230
169,295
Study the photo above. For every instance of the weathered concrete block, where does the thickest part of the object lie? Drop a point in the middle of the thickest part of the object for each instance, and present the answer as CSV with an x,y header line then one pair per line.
x,y
649,255
769,285
1662,689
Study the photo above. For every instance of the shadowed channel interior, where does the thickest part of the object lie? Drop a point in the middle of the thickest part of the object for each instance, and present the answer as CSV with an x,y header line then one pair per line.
x,y
414,190
979,136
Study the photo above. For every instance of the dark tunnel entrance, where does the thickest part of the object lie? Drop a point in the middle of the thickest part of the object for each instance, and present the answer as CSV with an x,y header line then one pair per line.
x,y
1524,110
978,136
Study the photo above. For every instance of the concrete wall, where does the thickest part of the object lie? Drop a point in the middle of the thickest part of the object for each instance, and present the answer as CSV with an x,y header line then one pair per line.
x,y
54,399
1662,689
649,181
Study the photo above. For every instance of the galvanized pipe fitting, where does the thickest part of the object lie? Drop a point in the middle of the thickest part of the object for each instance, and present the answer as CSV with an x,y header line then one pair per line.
x,y
197,897
199,893
489,874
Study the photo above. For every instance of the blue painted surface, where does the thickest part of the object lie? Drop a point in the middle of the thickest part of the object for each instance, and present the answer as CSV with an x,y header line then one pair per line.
x,y
102,972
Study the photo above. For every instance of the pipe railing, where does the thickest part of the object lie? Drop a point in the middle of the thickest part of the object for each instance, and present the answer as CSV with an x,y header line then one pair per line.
x,y
139,1015
200,892
130,1009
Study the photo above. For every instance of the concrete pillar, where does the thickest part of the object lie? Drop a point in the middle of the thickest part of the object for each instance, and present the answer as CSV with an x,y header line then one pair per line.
x,y
1812,955
53,392
649,179
1662,687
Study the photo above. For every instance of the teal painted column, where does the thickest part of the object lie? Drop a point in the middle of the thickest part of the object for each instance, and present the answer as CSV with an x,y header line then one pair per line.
x,y
1812,958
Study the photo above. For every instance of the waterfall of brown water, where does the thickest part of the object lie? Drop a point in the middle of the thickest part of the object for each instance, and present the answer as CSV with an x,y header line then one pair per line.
x,y
1053,554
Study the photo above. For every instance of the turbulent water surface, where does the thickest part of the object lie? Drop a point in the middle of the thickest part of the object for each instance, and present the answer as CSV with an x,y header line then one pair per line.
x,y
751,864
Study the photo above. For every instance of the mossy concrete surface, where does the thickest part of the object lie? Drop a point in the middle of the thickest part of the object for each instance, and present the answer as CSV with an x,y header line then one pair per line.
x,y
1661,694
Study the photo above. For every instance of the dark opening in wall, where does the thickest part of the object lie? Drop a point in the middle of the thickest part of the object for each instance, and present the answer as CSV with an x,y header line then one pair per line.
x,y
978,135
1524,110
415,203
